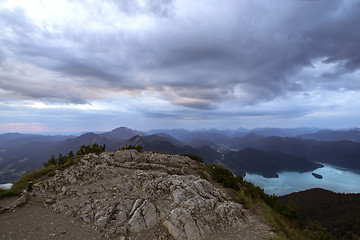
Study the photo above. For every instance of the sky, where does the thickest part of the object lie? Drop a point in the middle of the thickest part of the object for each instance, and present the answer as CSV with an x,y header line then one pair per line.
x,y
72,66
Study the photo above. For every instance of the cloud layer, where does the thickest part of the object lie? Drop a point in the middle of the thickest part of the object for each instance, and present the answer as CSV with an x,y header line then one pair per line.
x,y
202,59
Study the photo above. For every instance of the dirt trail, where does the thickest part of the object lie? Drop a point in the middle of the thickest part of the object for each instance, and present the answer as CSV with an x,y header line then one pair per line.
x,y
32,221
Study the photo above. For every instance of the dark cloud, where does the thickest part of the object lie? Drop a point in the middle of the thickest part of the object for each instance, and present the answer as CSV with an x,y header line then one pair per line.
x,y
247,52
16,20
285,112
162,8
51,92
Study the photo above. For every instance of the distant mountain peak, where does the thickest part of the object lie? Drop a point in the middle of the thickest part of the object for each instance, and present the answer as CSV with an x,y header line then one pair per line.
x,y
121,128
122,133
88,133
161,134
253,135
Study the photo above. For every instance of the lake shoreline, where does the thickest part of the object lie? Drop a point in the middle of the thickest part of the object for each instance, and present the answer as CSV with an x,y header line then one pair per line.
x,y
336,179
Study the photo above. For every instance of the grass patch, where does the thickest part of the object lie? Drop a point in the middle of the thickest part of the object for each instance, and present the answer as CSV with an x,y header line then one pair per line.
x,y
20,185
49,169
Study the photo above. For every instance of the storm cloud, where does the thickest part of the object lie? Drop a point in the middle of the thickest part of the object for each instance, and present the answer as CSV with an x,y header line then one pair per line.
x,y
216,57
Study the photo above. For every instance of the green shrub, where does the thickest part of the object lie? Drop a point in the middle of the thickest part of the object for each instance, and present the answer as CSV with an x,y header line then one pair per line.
x,y
36,176
223,176
95,148
194,157
59,163
128,147
65,160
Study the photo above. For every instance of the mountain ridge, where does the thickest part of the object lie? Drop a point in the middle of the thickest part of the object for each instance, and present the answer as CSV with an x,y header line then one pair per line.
x,y
127,194
14,163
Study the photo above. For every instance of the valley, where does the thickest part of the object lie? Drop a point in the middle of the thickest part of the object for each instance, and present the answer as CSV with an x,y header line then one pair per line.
x,y
266,152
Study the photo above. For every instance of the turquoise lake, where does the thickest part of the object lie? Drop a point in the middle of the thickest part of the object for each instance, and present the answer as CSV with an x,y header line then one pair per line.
x,y
335,179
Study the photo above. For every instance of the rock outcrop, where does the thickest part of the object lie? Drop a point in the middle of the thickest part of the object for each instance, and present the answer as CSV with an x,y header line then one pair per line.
x,y
130,194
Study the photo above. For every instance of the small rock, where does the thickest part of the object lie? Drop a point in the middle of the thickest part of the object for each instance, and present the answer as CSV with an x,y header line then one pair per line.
x,y
86,219
150,215
121,230
69,213
112,230
49,200
102,221
136,222
72,180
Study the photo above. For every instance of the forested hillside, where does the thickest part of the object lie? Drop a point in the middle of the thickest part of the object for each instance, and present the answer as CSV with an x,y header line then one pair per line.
x,y
339,213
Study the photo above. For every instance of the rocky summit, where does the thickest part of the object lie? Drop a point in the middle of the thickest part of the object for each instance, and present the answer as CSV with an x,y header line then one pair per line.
x,y
130,195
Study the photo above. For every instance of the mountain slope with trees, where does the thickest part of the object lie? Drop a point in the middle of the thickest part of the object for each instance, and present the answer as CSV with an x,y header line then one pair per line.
x,y
159,144
339,213
341,153
331,135
267,164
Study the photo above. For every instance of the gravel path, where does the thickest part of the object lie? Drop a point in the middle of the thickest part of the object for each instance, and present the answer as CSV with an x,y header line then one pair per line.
x,y
33,221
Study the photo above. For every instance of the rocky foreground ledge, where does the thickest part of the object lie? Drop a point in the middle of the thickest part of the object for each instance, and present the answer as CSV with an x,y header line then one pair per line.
x,y
131,195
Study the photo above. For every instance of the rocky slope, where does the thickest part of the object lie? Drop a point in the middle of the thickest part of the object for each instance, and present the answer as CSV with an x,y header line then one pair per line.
x,y
131,195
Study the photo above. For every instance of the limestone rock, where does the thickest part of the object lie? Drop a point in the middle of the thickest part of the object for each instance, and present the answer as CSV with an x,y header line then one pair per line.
x,y
102,221
127,193
136,222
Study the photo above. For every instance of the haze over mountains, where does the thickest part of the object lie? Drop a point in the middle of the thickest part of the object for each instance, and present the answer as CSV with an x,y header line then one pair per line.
x,y
265,151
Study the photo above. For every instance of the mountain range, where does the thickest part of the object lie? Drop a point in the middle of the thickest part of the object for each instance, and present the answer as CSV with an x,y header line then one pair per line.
x,y
265,151
331,135
340,153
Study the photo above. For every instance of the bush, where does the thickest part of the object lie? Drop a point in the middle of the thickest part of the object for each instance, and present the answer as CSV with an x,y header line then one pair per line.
x,y
194,157
65,160
224,176
59,163
95,148
128,147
